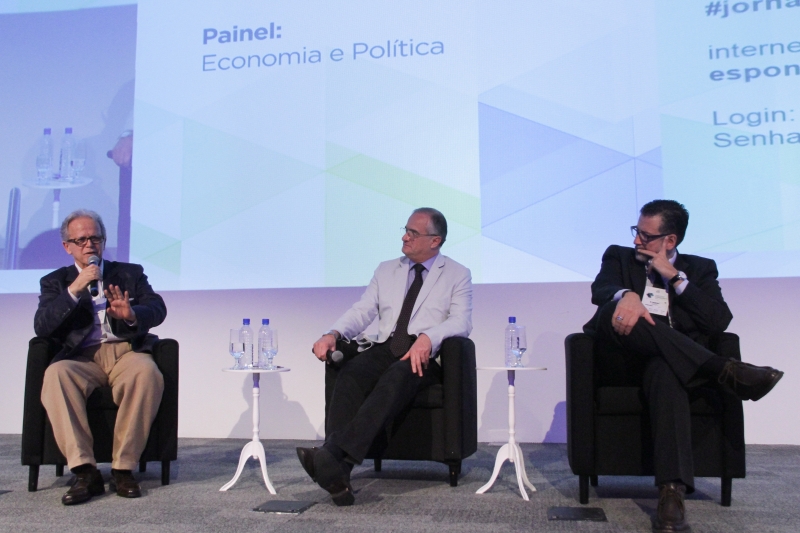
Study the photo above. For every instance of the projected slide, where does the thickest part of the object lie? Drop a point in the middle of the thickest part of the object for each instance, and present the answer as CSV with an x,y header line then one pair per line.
x,y
61,69
283,144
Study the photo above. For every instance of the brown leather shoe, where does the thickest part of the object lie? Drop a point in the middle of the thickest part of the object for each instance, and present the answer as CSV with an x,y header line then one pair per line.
x,y
123,482
671,513
749,382
88,483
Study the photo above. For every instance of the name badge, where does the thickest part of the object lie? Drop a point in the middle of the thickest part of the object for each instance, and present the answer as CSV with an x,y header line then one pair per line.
x,y
656,301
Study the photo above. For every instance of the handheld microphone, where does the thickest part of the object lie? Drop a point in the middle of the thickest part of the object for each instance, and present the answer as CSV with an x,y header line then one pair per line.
x,y
93,260
334,357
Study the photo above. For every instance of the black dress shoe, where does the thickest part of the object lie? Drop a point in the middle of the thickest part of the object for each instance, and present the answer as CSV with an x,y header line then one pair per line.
x,y
87,483
749,382
671,513
123,482
334,477
306,456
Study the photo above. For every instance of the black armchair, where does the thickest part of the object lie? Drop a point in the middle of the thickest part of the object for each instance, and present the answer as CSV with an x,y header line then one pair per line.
x,y
608,429
442,423
38,443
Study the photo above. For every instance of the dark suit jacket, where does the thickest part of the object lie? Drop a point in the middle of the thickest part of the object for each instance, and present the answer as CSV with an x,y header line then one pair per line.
x,y
700,311
60,318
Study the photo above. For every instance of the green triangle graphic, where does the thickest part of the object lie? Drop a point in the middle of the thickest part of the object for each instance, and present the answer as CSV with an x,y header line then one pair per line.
x,y
158,248
169,258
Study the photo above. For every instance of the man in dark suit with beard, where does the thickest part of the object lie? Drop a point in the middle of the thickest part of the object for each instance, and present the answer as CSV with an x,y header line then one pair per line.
x,y
100,313
656,311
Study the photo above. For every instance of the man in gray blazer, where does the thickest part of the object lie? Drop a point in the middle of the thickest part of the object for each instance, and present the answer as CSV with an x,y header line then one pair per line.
x,y
100,313
420,299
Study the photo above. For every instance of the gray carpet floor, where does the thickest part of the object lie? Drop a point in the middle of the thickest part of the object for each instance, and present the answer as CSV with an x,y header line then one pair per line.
x,y
404,497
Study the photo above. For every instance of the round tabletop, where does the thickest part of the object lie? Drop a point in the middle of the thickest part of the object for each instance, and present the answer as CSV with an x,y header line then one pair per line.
x,y
511,368
257,370
52,183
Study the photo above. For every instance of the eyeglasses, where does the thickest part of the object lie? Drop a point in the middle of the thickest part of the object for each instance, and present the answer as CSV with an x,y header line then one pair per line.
x,y
644,237
81,241
414,234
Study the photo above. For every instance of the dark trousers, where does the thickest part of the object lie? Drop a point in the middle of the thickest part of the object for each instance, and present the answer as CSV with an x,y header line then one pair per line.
x,y
666,364
371,390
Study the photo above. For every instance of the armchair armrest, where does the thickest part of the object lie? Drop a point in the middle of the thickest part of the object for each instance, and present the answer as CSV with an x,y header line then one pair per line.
x,y
166,355
41,351
459,388
579,352
725,344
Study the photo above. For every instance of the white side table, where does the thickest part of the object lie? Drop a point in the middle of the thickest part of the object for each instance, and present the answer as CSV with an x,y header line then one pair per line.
x,y
254,448
510,451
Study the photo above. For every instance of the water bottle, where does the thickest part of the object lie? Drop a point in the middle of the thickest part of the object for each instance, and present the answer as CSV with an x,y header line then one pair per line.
x,y
265,344
44,160
511,336
65,157
246,336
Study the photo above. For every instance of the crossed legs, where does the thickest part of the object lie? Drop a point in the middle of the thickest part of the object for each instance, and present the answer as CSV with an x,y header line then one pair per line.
x,y
371,390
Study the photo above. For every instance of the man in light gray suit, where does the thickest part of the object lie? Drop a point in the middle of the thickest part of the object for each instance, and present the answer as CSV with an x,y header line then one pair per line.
x,y
420,300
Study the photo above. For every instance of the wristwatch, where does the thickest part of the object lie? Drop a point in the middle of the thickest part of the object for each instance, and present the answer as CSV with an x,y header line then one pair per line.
x,y
680,276
337,335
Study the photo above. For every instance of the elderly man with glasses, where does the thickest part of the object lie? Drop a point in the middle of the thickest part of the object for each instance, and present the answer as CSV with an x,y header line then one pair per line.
x,y
420,299
656,311
99,312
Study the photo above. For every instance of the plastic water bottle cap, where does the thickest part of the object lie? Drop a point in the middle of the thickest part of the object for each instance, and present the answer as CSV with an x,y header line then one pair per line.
x,y
47,131
265,321
246,321
512,320
67,130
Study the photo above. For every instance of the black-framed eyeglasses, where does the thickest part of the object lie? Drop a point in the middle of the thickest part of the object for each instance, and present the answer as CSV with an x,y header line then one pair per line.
x,y
646,237
414,234
81,241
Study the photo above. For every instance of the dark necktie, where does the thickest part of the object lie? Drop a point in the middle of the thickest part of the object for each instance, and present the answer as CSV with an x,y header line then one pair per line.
x,y
658,283
401,340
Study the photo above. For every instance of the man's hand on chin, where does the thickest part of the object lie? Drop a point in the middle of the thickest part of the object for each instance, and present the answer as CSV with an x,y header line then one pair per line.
x,y
659,261
419,353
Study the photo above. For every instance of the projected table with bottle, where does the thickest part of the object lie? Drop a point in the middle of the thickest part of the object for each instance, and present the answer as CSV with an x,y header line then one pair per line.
x,y
254,448
68,175
510,451
56,184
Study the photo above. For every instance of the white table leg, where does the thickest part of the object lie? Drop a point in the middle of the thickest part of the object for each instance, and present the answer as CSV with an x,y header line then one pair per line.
x,y
502,456
510,451
56,207
254,448
522,476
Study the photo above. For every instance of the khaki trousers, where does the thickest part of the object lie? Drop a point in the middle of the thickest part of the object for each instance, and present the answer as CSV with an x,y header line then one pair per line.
x,y
136,387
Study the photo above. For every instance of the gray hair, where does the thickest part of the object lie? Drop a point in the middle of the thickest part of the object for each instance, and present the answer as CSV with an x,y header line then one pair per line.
x,y
82,213
438,224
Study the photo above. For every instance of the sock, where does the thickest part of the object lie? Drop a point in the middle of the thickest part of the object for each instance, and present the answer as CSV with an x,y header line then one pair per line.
x,y
714,366
82,469
335,451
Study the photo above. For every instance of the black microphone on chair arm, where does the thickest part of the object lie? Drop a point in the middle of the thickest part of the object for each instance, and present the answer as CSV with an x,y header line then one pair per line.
x,y
93,260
